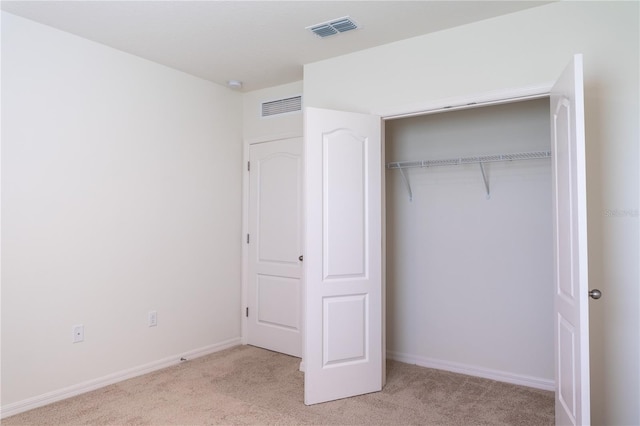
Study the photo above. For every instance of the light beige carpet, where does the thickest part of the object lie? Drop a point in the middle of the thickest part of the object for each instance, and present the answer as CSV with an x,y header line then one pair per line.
x,y
245,385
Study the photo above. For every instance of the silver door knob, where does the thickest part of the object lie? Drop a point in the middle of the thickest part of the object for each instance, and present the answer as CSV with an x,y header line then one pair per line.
x,y
595,294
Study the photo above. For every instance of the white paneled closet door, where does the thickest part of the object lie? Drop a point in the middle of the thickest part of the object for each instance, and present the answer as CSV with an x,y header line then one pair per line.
x,y
570,232
343,255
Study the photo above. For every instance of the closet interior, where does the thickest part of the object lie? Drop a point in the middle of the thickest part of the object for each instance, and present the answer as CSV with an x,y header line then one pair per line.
x,y
469,243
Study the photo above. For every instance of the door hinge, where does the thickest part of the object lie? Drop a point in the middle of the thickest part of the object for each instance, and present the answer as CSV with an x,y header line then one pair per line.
x,y
248,166
246,312
247,238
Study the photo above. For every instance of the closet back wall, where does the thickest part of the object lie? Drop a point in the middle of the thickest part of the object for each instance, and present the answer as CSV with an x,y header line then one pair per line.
x,y
469,279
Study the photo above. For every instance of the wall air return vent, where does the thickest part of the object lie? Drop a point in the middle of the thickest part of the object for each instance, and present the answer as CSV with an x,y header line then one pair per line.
x,y
335,26
281,106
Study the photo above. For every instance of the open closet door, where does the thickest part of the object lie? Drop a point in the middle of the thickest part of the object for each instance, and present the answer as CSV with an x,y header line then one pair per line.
x,y
570,233
342,257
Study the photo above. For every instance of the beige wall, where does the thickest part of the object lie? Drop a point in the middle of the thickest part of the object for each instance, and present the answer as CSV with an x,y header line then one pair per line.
x,y
120,194
520,50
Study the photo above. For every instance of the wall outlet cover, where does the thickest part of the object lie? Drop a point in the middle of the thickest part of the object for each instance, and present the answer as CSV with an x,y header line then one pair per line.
x,y
153,318
78,333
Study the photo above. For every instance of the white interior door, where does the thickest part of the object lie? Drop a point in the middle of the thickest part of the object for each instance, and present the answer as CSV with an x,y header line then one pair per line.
x,y
570,232
343,244
275,243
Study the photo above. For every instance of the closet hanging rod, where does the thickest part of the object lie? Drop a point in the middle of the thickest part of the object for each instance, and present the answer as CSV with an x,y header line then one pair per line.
x,y
470,160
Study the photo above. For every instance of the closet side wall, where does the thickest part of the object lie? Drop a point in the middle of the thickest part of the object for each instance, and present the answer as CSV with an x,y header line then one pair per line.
x,y
469,279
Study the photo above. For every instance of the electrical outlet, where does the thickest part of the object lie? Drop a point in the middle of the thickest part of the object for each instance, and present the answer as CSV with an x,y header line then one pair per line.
x,y
153,318
78,333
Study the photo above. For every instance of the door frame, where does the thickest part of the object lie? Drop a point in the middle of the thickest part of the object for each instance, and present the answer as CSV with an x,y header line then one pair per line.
x,y
469,101
244,297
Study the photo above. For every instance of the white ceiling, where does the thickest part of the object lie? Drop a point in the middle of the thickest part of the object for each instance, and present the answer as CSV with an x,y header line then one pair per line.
x,y
261,43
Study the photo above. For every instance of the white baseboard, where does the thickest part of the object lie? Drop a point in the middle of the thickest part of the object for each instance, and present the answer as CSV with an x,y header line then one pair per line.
x,y
471,370
80,388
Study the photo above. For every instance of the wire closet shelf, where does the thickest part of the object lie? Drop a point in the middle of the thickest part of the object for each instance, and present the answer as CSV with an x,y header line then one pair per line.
x,y
479,159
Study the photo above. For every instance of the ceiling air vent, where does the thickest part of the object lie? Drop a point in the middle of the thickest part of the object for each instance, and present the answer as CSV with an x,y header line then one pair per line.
x,y
282,106
335,26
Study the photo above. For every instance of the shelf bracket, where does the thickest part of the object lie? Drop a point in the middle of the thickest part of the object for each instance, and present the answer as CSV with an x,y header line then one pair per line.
x,y
484,178
401,165
406,183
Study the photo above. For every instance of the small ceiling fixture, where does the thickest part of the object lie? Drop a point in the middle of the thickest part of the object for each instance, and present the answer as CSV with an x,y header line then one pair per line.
x,y
334,26
234,84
